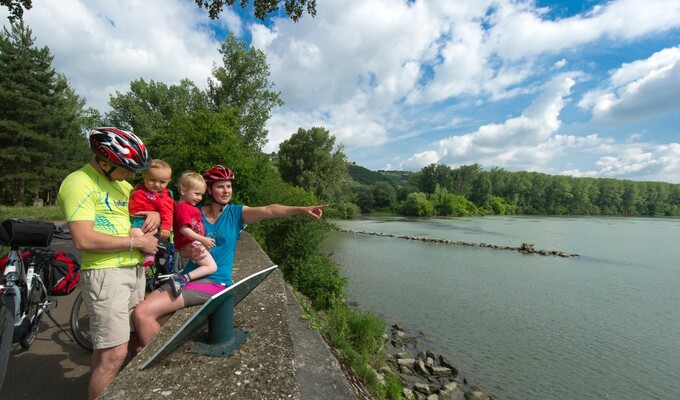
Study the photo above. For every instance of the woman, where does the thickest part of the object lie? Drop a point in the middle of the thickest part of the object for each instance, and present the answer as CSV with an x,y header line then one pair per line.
x,y
223,223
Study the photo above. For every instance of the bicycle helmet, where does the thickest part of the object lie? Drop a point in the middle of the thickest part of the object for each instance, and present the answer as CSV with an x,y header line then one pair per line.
x,y
120,148
218,173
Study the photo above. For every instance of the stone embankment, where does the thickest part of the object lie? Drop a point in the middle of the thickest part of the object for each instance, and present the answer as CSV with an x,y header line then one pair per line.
x,y
525,248
426,376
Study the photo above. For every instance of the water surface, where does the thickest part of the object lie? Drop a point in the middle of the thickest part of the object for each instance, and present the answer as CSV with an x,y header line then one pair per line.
x,y
605,324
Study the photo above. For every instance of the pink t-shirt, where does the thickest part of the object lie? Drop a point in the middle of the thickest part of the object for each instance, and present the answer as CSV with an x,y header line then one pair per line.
x,y
187,215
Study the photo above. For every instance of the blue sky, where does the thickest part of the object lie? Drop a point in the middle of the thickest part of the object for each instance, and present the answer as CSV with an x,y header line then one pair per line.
x,y
589,88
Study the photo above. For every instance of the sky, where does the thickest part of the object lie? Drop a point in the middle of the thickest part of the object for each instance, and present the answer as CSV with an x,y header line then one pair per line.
x,y
583,88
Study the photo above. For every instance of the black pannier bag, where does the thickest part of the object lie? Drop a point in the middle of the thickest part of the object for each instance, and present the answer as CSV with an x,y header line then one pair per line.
x,y
25,233
64,274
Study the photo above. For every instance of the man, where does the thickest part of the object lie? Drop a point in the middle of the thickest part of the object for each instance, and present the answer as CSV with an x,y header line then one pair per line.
x,y
94,201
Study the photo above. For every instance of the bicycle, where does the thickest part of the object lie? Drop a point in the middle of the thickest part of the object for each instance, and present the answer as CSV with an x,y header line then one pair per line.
x,y
23,294
168,262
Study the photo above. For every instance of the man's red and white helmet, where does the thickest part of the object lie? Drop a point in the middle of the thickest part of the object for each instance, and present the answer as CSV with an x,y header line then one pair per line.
x,y
120,148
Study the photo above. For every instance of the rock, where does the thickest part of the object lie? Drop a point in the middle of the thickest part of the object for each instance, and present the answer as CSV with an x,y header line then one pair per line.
x,y
408,393
423,388
444,362
419,367
440,371
476,393
406,362
405,370
451,391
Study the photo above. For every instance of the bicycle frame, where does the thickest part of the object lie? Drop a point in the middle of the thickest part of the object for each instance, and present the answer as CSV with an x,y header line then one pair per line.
x,y
20,275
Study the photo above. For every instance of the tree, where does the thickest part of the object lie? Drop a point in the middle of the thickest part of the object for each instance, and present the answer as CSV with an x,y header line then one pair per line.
x,y
294,8
464,177
365,199
149,107
432,175
417,204
16,8
480,194
384,194
242,83
309,159
40,117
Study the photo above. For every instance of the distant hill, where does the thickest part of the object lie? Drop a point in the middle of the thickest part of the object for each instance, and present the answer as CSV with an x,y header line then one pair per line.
x,y
397,178
367,177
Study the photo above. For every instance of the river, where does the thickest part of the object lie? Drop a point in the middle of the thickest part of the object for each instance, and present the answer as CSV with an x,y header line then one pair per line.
x,y
603,325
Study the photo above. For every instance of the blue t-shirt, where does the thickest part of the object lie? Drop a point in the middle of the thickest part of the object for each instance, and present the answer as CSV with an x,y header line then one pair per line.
x,y
225,231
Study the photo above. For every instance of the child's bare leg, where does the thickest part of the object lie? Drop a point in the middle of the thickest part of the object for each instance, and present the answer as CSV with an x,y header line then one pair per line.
x,y
148,258
206,266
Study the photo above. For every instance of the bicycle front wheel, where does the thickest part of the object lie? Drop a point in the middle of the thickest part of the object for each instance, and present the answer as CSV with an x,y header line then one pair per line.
x,y
80,324
6,332
37,303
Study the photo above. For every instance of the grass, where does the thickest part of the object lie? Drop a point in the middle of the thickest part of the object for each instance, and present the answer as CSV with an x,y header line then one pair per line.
x,y
46,213
359,339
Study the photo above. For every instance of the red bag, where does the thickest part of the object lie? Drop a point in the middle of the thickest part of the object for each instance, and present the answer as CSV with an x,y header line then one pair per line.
x,y
64,274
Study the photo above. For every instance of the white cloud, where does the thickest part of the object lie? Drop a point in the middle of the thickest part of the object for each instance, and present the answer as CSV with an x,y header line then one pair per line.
x,y
103,46
520,30
635,161
653,163
456,81
519,141
639,89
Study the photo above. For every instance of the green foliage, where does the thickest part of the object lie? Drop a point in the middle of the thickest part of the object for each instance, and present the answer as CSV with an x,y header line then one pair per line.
x,y
241,83
364,198
363,175
393,387
40,120
432,175
359,338
416,204
453,205
384,195
16,8
309,159
499,206
365,332
263,8
397,178
342,210
149,108
318,278
498,191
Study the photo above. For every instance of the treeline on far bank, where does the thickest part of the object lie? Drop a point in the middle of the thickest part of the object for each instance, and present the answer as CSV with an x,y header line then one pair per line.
x,y
439,190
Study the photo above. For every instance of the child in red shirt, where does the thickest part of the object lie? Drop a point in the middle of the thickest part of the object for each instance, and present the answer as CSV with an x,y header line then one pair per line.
x,y
189,230
153,195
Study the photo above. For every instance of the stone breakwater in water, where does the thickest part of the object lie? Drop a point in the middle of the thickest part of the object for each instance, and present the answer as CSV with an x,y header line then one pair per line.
x,y
526,248
424,375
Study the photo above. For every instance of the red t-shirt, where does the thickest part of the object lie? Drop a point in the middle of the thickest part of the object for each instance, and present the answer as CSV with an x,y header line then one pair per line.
x,y
187,215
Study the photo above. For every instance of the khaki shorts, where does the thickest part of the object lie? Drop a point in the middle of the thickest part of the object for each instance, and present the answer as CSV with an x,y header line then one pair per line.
x,y
110,294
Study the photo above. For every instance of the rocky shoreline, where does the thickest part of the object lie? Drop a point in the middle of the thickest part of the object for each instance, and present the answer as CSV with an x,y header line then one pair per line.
x,y
423,374
526,248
